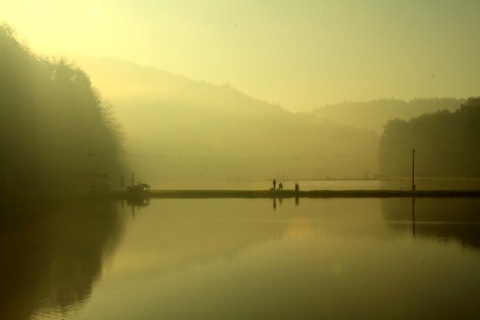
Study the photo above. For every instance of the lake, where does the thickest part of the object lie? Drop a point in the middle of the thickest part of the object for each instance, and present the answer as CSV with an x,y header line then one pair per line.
x,y
242,259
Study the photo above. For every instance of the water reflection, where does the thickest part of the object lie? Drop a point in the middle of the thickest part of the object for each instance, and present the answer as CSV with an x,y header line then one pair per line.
x,y
325,258
135,203
174,233
138,201
413,216
51,255
280,201
456,219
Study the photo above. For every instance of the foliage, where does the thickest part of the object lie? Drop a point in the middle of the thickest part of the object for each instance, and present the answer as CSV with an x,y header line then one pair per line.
x,y
54,126
374,114
446,143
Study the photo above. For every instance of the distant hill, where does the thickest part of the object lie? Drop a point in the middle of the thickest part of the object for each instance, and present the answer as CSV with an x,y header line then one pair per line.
x,y
178,128
375,114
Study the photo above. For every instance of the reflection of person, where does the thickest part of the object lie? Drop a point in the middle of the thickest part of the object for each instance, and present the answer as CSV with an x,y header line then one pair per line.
x,y
274,184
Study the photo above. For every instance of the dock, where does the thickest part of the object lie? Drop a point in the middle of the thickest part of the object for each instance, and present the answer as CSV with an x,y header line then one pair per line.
x,y
250,194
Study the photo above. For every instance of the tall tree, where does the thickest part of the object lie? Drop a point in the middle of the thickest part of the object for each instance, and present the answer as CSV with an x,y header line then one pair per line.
x,y
54,126
446,142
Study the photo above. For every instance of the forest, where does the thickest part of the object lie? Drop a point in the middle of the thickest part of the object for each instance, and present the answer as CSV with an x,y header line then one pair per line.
x,y
446,143
374,114
57,134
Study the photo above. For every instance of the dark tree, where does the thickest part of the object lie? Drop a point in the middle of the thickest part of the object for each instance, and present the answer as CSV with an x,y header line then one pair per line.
x,y
446,143
56,133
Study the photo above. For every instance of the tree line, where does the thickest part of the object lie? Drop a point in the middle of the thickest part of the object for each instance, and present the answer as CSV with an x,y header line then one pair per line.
x,y
57,134
374,114
446,143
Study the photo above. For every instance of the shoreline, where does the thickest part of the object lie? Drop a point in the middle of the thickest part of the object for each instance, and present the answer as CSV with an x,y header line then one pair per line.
x,y
213,194
21,199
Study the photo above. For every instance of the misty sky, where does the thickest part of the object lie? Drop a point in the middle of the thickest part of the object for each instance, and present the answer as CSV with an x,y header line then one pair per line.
x,y
300,54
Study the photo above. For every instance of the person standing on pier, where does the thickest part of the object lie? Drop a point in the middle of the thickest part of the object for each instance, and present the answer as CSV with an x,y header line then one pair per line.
x,y
274,184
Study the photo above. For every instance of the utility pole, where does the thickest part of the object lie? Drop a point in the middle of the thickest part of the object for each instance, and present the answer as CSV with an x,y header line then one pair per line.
x,y
413,170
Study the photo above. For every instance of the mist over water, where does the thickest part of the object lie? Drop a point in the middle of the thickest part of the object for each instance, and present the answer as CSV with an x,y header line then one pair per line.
x,y
181,129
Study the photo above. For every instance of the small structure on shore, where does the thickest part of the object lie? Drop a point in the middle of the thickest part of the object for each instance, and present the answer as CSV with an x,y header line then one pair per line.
x,y
138,190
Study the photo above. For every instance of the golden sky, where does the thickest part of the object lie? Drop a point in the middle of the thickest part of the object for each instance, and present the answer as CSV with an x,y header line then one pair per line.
x,y
299,53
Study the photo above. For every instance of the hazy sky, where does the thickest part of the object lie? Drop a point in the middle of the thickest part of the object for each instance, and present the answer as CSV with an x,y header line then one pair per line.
x,y
301,54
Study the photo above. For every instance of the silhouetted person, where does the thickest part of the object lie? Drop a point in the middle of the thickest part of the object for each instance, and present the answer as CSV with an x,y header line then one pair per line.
x,y
274,184
280,186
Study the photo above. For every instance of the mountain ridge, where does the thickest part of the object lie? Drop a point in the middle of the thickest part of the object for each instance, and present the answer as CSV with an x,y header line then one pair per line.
x,y
186,127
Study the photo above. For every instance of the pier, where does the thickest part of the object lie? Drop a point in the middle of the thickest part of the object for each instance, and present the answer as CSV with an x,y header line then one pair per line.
x,y
249,194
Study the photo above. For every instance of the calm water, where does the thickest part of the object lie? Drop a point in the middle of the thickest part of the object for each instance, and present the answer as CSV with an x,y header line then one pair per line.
x,y
242,259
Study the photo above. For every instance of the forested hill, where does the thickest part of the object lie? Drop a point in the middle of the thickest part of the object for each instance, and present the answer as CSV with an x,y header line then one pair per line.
x,y
179,128
447,144
374,114
56,133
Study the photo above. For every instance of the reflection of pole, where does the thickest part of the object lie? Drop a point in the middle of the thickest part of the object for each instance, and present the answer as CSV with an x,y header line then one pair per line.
x,y
297,189
413,170
413,215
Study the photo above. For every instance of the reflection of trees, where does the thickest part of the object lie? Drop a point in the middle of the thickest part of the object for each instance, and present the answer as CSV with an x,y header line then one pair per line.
x,y
51,255
443,219
190,232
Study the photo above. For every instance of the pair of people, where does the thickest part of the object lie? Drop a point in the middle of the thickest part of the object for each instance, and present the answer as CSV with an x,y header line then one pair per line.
x,y
280,185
